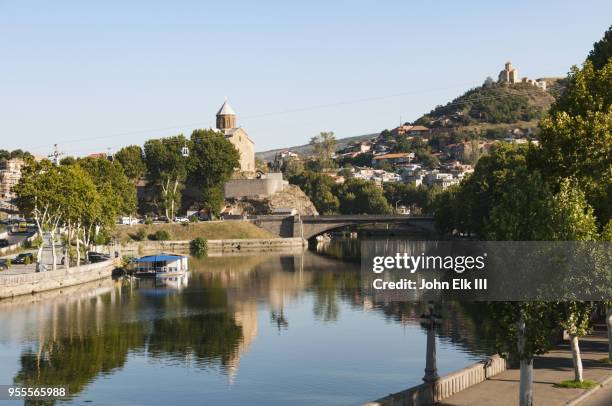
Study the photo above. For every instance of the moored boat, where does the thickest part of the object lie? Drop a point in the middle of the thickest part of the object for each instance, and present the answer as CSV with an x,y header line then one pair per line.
x,y
161,265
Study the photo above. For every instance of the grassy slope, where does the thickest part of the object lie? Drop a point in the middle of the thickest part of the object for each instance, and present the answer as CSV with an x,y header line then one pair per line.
x,y
219,230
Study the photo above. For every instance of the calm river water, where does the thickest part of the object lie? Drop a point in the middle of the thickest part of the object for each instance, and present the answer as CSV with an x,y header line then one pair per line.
x,y
263,329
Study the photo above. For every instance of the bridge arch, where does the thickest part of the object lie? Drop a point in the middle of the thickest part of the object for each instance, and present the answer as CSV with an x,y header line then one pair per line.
x,y
310,226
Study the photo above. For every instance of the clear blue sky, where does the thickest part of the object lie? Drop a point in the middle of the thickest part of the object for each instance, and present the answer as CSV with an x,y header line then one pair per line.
x,y
75,70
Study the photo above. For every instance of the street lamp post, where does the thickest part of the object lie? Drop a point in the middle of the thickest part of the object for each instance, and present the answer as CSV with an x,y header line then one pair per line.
x,y
429,321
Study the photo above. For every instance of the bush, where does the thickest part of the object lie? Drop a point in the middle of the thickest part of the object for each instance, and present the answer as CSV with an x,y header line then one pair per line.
x,y
148,221
27,261
160,235
140,235
199,247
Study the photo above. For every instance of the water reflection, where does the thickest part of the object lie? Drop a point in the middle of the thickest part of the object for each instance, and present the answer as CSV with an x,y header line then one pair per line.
x,y
212,320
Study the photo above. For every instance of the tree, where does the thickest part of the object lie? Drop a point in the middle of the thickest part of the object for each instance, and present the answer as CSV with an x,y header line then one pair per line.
x,y
212,161
416,197
358,196
602,51
523,329
324,147
318,187
131,160
576,138
37,196
575,319
121,192
292,167
58,196
166,170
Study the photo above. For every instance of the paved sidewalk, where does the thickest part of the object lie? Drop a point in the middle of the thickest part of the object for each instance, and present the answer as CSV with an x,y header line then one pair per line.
x,y
550,368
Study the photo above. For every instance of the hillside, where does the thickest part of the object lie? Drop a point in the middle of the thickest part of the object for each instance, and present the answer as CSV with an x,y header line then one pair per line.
x,y
492,105
307,149
491,110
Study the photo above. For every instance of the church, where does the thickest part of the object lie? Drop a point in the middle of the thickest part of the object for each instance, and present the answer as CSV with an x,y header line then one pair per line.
x,y
226,123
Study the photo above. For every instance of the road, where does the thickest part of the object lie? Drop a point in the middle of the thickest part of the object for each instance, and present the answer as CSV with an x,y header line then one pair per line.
x,y
603,397
17,238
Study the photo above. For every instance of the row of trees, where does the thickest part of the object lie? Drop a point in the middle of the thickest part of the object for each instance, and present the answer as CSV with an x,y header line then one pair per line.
x,y
354,196
560,191
76,203
202,162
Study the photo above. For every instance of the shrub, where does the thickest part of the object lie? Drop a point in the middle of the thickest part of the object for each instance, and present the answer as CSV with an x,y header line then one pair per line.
x,y
140,235
27,261
160,235
199,247
148,221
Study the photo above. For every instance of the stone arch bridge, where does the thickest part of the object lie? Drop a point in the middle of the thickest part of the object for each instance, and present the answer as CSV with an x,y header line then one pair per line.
x,y
308,227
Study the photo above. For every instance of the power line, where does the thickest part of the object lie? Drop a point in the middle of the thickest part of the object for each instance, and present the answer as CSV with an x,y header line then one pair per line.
x,y
291,111
275,113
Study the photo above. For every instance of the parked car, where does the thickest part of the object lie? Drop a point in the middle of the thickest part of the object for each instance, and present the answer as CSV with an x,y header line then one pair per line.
x,y
4,243
181,219
4,263
98,257
21,258
128,221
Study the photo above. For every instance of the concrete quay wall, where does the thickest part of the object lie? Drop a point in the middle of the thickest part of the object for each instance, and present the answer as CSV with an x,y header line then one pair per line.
x,y
446,386
28,283
219,246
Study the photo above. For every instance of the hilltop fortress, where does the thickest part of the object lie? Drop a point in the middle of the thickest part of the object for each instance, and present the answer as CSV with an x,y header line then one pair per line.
x,y
509,75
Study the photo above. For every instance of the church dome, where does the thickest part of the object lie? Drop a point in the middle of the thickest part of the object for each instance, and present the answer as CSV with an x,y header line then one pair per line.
x,y
226,110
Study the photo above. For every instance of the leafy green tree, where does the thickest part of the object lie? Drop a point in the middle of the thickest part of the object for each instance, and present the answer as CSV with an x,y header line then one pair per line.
x,y
69,160
575,319
319,188
576,138
602,51
358,196
57,196
131,160
292,167
212,161
167,170
419,198
121,192
324,147
523,329
446,215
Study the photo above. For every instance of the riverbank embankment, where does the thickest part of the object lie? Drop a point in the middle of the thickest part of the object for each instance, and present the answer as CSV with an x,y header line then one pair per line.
x,y
33,282
479,385
446,386
215,247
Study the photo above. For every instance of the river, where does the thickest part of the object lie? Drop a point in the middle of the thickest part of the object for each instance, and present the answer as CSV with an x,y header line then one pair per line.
x,y
257,329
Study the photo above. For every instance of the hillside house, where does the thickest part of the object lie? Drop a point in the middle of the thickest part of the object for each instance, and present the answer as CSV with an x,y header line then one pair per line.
x,y
398,158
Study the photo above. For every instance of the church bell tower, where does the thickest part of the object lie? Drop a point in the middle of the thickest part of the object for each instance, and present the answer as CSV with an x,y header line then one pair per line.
x,y
226,117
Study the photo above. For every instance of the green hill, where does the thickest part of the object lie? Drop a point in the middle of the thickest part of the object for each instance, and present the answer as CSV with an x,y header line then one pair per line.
x,y
492,106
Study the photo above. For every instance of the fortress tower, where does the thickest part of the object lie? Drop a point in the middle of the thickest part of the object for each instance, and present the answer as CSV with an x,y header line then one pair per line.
x,y
508,75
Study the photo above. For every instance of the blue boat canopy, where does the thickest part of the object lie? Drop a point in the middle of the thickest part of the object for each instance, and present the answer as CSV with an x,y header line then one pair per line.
x,y
159,258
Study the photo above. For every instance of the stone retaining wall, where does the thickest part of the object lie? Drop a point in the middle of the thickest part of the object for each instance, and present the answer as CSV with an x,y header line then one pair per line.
x,y
447,385
10,248
219,246
27,283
